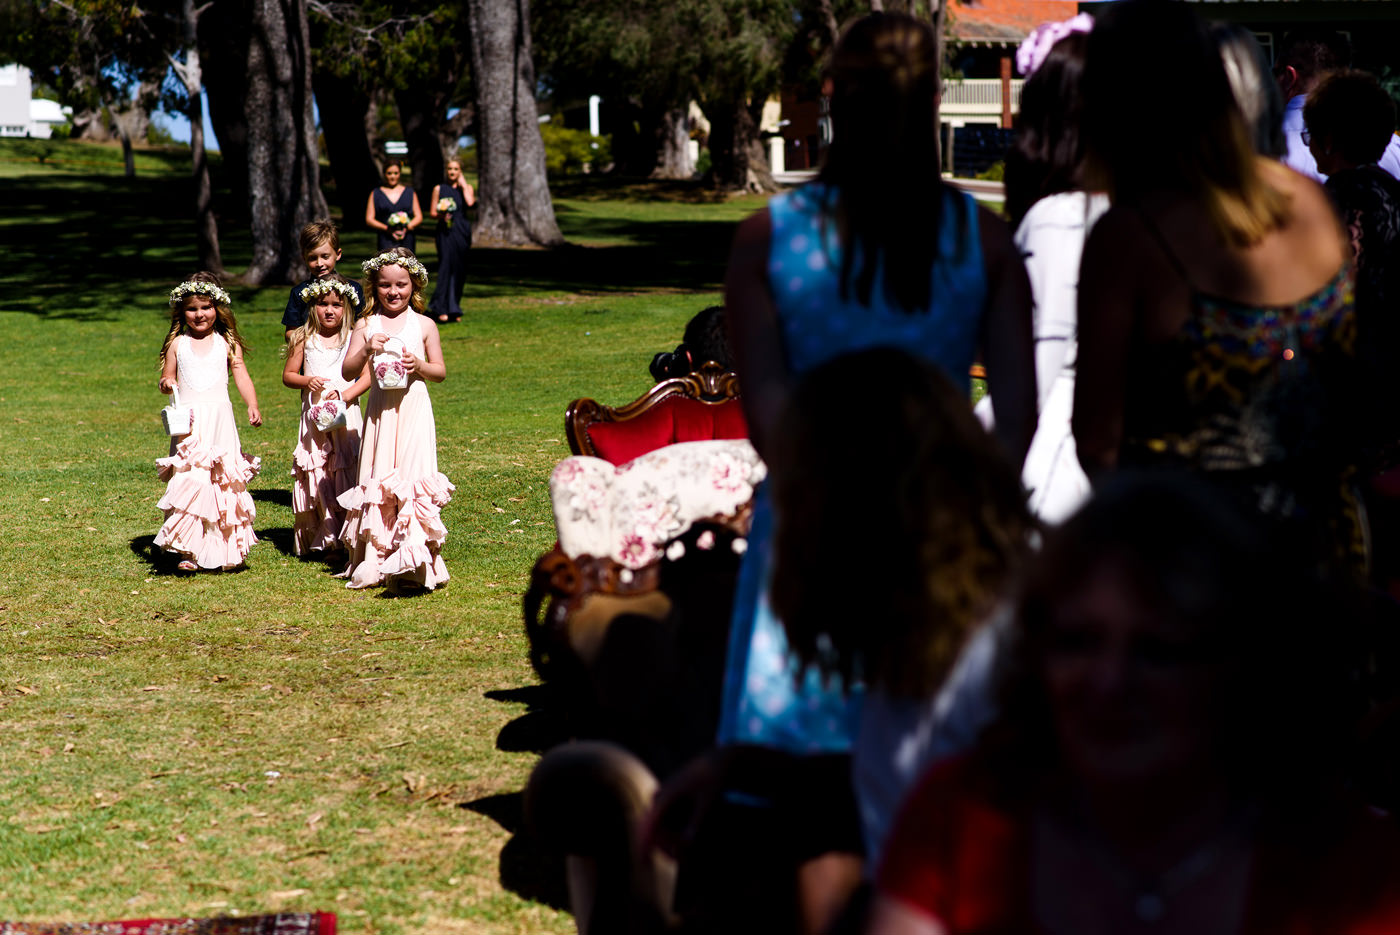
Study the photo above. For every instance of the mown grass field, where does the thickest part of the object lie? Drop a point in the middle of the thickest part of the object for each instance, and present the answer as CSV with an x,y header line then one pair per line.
x,y
264,740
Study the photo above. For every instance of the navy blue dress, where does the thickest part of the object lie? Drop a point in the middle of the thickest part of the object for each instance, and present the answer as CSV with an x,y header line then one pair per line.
x,y
454,239
383,207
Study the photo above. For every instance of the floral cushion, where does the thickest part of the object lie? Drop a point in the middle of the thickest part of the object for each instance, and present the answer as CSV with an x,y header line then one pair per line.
x,y
629,513
673,420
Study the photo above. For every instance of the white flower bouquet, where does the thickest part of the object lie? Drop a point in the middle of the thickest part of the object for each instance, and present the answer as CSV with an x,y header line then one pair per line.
x,y
446,207
398,219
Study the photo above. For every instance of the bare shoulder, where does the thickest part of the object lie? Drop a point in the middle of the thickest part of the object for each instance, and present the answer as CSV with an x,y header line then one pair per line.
x,y
428,325
754,232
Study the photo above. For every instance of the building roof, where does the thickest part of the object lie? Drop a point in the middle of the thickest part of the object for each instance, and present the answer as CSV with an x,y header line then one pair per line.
x,y
1003,22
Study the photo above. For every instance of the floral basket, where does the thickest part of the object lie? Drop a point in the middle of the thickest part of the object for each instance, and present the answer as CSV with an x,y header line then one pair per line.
x,y
328,414
177,419
390,372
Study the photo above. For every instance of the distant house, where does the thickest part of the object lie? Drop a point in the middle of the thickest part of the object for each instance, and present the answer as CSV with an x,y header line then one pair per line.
x,y
20,113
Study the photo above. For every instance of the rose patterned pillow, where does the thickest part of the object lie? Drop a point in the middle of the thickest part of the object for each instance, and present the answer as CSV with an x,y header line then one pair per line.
x,y
629,513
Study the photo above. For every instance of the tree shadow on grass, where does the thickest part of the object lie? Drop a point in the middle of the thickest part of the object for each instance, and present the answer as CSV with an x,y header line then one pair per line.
x,y
111,238
527,868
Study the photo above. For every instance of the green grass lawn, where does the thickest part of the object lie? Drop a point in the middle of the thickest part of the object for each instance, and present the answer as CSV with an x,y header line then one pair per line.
x,y
266,739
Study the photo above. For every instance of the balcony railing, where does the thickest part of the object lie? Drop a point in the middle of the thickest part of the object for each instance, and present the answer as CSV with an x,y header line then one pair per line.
x,y
977,97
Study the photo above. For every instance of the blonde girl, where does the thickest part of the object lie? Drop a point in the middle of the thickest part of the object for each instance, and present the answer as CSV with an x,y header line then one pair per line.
x,y
325,462
208,511
393,526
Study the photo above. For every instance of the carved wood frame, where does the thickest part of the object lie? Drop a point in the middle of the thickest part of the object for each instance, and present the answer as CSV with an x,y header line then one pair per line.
x,y
710,383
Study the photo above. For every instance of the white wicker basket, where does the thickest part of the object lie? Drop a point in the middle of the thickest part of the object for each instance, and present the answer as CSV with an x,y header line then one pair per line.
x,y
389,370
177,419
328,414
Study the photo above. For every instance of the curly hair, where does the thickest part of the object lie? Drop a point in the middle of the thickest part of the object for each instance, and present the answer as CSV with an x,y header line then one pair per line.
x,y
900,521
224,322
415,301
1352,113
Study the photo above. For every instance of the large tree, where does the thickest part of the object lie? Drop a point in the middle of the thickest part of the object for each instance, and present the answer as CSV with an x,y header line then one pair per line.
x,y
104,58
191,76
259,85
513,195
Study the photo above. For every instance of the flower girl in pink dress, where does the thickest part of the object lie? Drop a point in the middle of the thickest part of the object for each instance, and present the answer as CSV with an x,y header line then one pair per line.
x,y
208,510
325,463
393,525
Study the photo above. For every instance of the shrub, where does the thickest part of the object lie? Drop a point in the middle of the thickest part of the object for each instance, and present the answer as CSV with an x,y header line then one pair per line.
x,y
568,150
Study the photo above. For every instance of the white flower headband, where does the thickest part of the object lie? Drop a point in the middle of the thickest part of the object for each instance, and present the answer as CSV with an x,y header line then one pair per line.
x,y
1031,53
214,292
320,287
417,270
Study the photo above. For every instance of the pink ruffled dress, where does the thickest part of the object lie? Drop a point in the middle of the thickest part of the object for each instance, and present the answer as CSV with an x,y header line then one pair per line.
x,y
208,510
324,464
393,519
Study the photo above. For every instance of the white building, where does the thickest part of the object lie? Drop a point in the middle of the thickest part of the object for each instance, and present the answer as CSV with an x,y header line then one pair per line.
x,y
20,113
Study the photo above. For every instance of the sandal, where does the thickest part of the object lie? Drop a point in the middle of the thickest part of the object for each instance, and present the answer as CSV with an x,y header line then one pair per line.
x,y
187,565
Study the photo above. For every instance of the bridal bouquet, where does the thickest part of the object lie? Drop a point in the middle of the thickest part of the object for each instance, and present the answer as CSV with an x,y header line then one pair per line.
x,y
445,207
398,219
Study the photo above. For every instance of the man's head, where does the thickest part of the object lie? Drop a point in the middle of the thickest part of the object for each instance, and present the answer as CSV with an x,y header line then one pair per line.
x,y
1306,53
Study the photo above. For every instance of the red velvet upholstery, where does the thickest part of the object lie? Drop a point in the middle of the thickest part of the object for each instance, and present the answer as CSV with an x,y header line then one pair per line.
x,y
671,420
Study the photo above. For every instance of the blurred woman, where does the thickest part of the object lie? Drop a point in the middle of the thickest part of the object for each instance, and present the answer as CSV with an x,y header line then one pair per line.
x,y
1165,757
876,252
1047,201
449,203
392,210
1216,325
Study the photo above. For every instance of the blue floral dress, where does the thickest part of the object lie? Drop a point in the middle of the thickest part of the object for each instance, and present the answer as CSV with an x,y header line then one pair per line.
x,y
763,702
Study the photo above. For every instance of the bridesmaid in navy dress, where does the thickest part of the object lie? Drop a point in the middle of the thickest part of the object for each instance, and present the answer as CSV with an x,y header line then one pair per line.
x,y
454,238
387,200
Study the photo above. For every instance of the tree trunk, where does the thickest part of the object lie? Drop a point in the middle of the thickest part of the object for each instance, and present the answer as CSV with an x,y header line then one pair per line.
x,y
223,53
737,161
421,111
513,195
206,226
343,106
673,150
284,176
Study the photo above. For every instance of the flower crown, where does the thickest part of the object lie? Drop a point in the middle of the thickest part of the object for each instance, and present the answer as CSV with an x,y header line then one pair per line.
x,y
417,270
320,287
1031,52
210,289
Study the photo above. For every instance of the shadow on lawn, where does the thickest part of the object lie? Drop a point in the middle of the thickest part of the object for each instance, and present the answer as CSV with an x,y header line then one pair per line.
x,y
87,246
527,869
100,243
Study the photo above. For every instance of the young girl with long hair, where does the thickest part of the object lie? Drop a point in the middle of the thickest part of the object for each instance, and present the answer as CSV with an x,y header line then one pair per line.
x,y
325,463
393,524
208,510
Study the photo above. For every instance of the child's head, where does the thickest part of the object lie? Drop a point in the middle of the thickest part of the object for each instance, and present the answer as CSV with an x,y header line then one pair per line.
x,y
394,281
900,520
320,247
189,303
332,305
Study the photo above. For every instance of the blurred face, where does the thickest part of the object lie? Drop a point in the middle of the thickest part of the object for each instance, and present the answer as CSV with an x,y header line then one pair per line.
x,y
1130,687
329,312
1320,145
393,289
454,171
200,315
322,259
391,176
